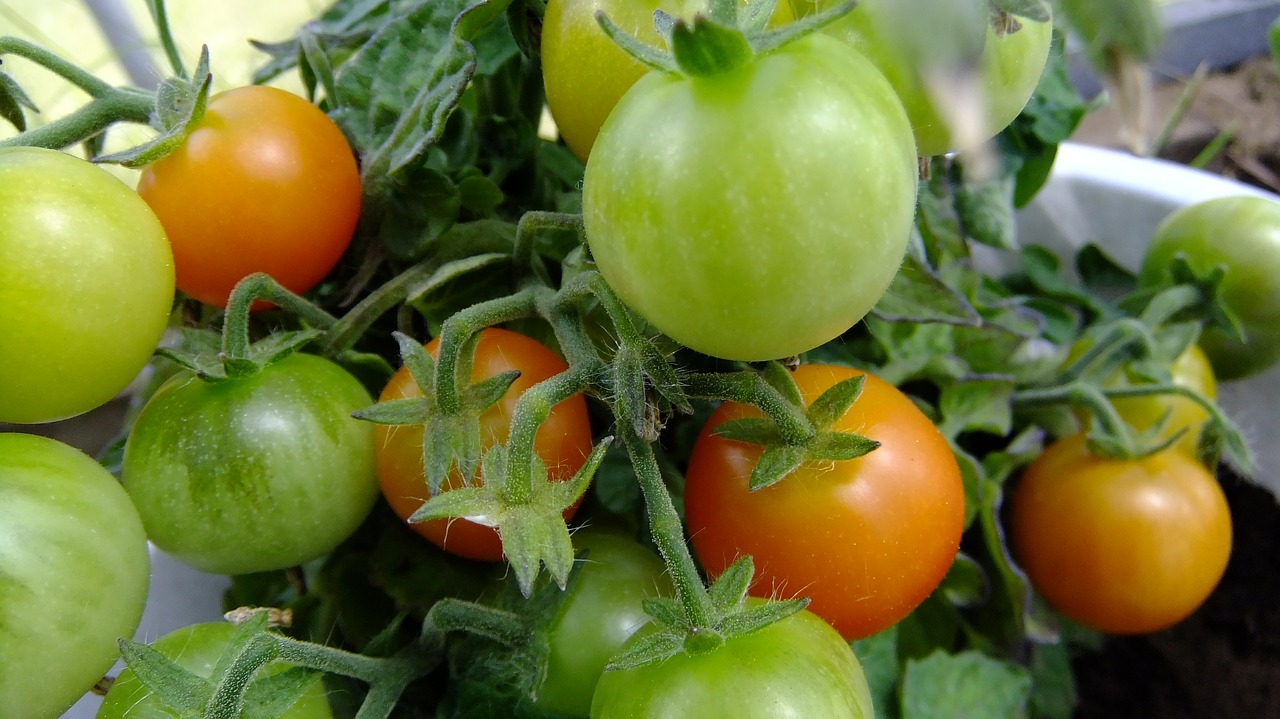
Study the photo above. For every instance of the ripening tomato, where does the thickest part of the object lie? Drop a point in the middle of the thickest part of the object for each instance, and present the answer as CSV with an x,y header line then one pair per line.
x,y
865,539
563,441
74,570
586,73
1120,545
756,212
265,183
86,285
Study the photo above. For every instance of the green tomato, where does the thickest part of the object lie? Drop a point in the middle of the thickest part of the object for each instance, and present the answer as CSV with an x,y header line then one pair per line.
x,y
1008,71
86,285
602,611
798,667
759,212
257,473
1242,235
197,649
74,570
585,73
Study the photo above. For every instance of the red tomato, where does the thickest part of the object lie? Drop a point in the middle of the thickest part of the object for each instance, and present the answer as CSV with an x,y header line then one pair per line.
x,y
1120,545
265,183
865,539
563,442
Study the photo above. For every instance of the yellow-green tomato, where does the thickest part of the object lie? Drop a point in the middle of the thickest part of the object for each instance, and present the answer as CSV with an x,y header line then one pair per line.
x,y
757,212
1009,69
604,608
74,571
798,667
586,73
86,285
197,648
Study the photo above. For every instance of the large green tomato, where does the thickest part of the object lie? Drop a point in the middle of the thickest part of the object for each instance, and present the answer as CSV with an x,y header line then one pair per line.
x,y
759,212
1009,69
1241,234
74,571
596,619
257,473
586,73
86,285
197,649
798,667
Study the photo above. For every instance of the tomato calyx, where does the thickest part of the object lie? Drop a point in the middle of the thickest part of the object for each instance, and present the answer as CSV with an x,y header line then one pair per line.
x,y
794,434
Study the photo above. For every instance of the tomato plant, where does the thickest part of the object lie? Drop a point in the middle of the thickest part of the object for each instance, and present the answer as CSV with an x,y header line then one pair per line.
x,y
596,619
563,441
254,473
266,182
1190,370
796,667
865,539
1120,545
1241,234
585,73
74,571
781,201
197,648
1010,66
86,285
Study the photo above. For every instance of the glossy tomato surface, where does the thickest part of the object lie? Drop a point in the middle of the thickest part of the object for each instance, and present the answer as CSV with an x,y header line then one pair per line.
x,y
865,539
86,285
74,571
585,73
1242,235
256,473
265,183
1121,546
798,667
1010,67
563,441
197,648
759,212
604,608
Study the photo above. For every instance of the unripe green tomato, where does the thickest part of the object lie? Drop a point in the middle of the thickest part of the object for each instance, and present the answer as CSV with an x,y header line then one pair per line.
x,y
1008,71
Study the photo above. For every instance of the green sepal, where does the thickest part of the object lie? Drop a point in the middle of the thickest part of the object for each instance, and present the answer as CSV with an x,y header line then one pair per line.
x,y
411,410
775,463
832,404
486,393
12,99
755,430
759,616
839,446
647,649
704,47
172,684
665,611
780,378
646,55
180,105
729,589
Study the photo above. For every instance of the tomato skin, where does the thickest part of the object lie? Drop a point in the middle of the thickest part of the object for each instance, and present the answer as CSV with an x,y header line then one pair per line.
x,y
585,73
563,441
798,667
86,285
866,539
1243,235
265,183
1190,370
74,571
602,612
777,197
197,648
253,474
1009,69
1121,546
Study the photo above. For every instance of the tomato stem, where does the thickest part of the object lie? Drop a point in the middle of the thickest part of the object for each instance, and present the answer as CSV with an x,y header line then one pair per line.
x,y
531,411
457,341
750,388
260,286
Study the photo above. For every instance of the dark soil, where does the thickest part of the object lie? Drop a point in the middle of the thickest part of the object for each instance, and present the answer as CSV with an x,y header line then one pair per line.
x,y
1223,661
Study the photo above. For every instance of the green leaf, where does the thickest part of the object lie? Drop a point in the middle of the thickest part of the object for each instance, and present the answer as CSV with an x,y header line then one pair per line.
x,y
753,430
917,294
775,463
839,446
963,686
1102,275
878,655
12,99
985,211
965,584
1109,29
835,402
978,406
1053,689
729,589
